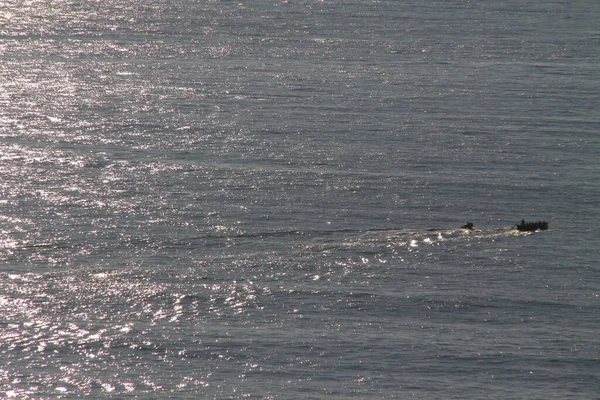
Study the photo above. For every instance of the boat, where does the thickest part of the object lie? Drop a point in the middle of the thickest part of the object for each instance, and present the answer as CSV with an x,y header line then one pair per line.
x,y
468,225
531,226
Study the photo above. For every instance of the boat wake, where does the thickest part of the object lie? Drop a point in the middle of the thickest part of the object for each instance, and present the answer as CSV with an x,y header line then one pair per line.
x,y
438,236
396,239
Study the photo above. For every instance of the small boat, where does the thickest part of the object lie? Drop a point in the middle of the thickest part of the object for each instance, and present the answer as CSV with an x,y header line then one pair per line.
x,y
468,225
531,226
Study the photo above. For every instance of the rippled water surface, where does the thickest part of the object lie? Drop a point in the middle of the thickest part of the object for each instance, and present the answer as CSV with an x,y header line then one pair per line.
x,y
216,199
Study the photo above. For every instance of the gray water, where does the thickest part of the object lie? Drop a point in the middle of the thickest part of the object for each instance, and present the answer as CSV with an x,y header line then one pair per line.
x,y
217,199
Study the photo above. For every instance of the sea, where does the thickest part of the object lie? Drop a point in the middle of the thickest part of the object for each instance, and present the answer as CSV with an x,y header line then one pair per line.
x,y
238,199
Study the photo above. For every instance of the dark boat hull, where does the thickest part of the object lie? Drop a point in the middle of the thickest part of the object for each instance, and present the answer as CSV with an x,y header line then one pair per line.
x,y
532,226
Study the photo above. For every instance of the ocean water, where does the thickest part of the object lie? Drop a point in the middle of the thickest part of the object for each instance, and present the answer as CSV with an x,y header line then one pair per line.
x,y
235,199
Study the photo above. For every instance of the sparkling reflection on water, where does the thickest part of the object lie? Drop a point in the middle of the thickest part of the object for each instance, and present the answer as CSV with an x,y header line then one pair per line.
x,y
104,330
233,199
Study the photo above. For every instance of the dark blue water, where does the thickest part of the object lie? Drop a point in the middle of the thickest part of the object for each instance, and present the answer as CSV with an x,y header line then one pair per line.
x,y
214,199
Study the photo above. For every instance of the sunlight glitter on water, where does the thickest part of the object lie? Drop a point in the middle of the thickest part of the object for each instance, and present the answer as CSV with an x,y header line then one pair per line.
x,y
193,184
